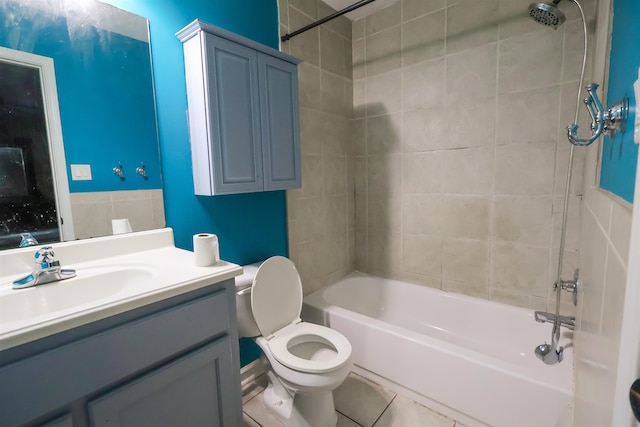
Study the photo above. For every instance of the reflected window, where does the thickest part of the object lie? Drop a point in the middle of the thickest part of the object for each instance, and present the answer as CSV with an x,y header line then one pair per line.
x,y
27,192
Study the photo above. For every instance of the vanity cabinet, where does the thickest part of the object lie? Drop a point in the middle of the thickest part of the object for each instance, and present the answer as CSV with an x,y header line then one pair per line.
x,y
171,363
242,111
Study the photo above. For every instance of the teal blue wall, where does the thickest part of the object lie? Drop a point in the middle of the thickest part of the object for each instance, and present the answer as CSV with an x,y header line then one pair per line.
x,y
250,227
620,155
98,73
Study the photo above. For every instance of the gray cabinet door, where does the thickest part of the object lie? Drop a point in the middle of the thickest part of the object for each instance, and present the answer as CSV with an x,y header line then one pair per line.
x,y
191,391
278,81
234,117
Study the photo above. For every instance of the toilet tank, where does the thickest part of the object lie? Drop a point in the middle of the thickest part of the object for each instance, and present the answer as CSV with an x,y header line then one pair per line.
x,y
247,326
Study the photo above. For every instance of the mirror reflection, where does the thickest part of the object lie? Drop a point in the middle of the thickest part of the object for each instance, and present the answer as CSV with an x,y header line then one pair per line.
x,y
27,194
101,57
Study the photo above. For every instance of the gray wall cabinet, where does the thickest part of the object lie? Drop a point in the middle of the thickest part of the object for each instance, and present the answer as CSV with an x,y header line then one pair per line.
x,y
171,363
243,113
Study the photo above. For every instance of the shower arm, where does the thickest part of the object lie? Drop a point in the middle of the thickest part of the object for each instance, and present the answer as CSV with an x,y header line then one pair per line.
x,y
608,121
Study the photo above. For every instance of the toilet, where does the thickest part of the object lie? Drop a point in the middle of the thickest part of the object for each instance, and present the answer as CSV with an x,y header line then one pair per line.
x,y
304,362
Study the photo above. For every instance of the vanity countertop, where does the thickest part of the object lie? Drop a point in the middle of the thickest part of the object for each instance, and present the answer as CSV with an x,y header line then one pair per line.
x,y
114,274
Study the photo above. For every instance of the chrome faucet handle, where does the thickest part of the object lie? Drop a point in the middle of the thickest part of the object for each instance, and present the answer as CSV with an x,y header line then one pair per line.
x,y
45,258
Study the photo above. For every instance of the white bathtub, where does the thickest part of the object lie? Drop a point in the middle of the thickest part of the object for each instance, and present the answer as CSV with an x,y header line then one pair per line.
x,y
468,358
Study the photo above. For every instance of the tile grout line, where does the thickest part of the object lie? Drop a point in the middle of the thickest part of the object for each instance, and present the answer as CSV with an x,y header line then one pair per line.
x,y
349,418
385,409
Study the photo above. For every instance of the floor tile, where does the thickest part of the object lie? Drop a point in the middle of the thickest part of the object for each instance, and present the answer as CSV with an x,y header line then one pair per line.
x,y
248,422
256,410
404,412
255,387
346,422
361,400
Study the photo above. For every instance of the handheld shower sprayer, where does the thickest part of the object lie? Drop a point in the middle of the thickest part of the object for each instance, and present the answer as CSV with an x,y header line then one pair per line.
x,y
607,121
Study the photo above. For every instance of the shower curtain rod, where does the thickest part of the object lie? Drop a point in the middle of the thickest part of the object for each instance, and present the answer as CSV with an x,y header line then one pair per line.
x,y
326,19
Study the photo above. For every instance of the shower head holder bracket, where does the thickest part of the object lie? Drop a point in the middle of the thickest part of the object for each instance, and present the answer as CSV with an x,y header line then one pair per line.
x,y
609,121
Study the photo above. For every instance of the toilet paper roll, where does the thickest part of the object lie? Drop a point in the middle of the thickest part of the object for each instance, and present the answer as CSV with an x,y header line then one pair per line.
x,y
121,226
205,249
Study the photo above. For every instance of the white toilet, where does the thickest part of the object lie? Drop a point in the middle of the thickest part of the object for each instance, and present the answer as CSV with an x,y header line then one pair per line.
x,y
304,362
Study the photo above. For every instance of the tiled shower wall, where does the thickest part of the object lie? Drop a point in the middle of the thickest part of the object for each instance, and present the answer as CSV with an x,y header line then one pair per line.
x,y
460,155
321,213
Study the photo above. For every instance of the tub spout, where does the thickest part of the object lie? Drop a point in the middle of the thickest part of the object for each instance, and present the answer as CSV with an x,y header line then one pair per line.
x,y
548,354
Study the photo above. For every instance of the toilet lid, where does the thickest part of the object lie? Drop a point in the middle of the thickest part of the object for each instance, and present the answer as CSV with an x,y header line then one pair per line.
x,y
276,295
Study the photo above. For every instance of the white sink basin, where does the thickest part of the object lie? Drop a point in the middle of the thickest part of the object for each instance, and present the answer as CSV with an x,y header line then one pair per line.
x,y
90,285
115,274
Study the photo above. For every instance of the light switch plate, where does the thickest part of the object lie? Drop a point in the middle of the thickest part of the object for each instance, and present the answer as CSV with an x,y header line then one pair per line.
x,y
81,172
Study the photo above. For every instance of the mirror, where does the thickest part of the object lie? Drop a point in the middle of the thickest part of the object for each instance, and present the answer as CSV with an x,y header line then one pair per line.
x,y
103,76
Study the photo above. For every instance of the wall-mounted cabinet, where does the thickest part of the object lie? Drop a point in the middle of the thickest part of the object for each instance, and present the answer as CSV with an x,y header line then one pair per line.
x,y
242,111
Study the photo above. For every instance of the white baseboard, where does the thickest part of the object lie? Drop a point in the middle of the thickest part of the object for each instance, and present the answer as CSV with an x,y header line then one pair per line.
x,y
249,372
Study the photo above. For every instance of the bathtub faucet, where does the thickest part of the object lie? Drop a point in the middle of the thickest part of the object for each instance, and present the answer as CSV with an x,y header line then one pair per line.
x,y
551,354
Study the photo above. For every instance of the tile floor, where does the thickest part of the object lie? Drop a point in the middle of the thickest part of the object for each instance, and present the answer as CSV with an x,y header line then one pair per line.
x,y
359,402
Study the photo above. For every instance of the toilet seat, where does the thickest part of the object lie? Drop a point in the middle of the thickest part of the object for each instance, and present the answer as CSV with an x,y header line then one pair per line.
x,y
300,333
276,303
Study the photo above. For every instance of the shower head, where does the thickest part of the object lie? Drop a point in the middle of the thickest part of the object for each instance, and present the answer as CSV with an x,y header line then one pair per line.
x,y
547,13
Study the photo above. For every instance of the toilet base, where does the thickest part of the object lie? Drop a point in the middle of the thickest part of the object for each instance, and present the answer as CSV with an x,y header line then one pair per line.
x,y
299,410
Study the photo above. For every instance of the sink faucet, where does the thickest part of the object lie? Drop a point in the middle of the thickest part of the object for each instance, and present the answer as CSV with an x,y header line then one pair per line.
x,y
47,270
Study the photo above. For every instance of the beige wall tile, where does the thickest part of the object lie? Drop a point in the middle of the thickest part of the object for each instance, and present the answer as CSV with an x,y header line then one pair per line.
x,y
357,30
423,38
310,8
468,171
334,170
471,123
523,220
92,219
540,106
424,130
422,214
309,85
384,254
384,93
574,222
524,169
472,74
382,51
283,13
466,261
466,217
515,19
412,9
466,289
383,134
340,25
312,127
384,213
422,254
333,53
519,269
383,19
333,94
312,176
423,172
530,60
621,229
384,174
305,46
423,85
358,59
471,23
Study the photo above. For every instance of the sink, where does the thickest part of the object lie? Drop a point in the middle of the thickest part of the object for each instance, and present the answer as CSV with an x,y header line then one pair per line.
x,y
90,285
